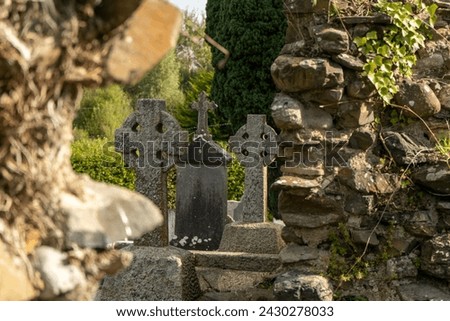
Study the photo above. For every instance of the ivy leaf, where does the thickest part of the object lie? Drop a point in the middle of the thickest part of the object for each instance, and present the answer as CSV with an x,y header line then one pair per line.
x,y
384,91
432,12
360,41
402,51
408,8
378,61
368,49
372,35
432,9
415,23
384,51
370,67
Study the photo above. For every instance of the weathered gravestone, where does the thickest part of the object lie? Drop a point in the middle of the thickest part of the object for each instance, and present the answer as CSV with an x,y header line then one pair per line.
x,y
255,146
201,200
149,141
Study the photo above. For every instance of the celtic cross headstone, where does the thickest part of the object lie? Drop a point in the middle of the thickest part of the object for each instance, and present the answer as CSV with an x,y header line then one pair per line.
x,y
149,141
255,146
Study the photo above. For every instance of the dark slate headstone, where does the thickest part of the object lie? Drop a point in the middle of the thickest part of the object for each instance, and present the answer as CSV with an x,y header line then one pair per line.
x,y
201,200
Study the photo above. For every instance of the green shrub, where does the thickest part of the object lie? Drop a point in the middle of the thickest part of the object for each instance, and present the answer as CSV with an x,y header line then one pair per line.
x,y
186,116
162,82
97,158
236,178
79,134
236,175
102,111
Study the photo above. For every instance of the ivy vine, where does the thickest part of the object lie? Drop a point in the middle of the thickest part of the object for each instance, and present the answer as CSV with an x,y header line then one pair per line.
x,y
390,53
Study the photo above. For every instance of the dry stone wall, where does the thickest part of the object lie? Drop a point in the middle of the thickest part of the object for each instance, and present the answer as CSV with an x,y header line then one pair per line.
x,y
361,180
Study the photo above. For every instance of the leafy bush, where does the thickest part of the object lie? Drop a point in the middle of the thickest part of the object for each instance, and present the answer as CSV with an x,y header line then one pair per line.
x,y
236,175
103,111
186,116
162,82
79,134
236,178
97,158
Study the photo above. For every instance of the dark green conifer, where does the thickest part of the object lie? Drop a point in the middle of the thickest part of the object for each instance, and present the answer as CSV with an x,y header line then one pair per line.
x,y
253,31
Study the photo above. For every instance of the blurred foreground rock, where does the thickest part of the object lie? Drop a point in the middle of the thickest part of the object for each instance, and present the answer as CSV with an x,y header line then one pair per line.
x,y
49,217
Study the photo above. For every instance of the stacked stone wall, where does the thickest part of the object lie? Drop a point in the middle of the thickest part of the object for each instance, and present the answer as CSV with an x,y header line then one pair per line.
x,y
365,193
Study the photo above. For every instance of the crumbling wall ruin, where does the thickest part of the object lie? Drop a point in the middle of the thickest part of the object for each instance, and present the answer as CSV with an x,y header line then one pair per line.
x,y
364,192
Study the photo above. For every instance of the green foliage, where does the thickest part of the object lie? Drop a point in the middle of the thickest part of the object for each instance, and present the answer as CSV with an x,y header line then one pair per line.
x,y
345,262
386,249
397,117
391,53
253,31
196,73
192,51
102,111
236,178
236,175
79,134
162,82
97,158
186,116
443,146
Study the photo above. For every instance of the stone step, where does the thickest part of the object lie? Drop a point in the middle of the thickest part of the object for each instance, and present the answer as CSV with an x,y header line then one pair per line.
x,y
237,261
253,294
222,280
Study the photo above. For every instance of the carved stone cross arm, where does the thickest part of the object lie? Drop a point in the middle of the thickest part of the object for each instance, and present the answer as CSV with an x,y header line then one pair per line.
x,y
255,143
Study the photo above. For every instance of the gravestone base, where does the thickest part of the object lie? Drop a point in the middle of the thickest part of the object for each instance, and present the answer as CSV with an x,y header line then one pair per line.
x,y
154,238
247,258
262,238
156,274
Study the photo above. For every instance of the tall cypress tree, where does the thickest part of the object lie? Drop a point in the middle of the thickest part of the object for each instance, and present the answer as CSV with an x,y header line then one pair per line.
x,y
253,31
